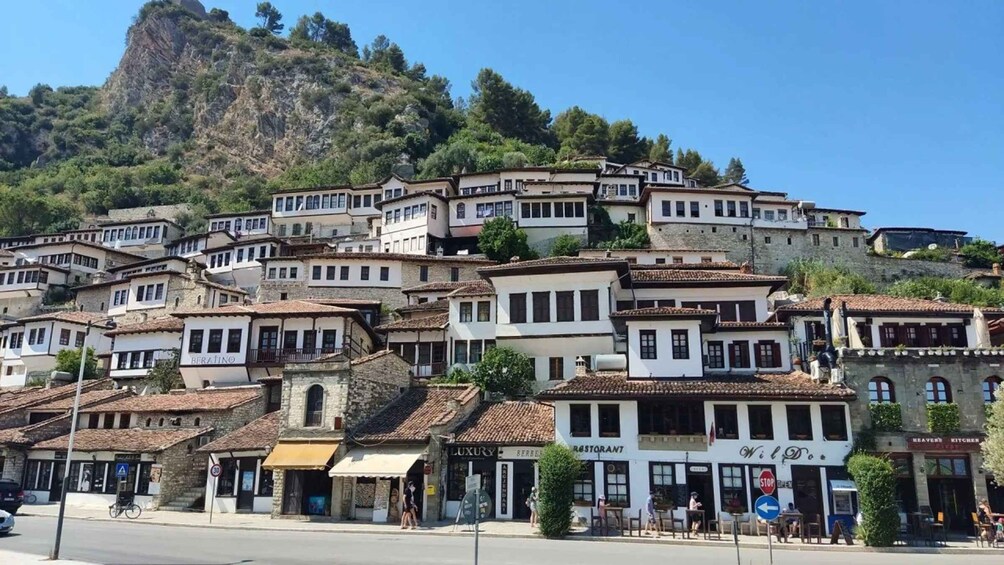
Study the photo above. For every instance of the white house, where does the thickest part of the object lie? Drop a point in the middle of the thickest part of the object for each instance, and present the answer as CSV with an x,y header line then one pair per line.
x,y
30,346
148,236
136,348
241,224
81,258
22,287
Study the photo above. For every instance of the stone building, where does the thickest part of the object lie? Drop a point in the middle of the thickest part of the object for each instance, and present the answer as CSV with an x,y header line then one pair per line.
x,y
244,485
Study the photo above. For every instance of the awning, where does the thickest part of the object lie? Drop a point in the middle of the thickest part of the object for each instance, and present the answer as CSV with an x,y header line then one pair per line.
x,y
304,456
843,486
377,461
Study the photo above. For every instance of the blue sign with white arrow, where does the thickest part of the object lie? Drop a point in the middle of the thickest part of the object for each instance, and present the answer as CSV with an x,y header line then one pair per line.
x,y
121,470
767,508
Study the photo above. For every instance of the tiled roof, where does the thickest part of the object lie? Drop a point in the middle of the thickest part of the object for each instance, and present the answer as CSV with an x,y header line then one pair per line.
x,y
409,418
441,304
27,435
133,440
72,316
664,312
793,386
371,357
259,434
556,264
165,324
88,398
285,307
752,325
508,423
883,303
437,286
25,397
411,258
712,266
200,400
474,288
436,322
700,276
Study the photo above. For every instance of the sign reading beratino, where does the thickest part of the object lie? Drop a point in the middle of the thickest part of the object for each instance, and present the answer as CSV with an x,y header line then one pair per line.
x,y
212,360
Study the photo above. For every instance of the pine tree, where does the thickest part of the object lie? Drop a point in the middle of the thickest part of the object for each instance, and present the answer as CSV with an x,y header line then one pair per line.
x,y
270,17
625,146
660,151
510,111
735,172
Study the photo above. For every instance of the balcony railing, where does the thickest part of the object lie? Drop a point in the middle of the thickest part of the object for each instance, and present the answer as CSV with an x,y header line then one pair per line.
x,y
283,356
429,369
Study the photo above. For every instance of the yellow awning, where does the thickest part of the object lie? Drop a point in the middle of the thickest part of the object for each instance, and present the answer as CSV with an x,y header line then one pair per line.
x,y
304,456
377,462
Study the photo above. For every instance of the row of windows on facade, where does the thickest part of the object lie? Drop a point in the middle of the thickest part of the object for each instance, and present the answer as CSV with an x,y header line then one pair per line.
x,y
144,293
937,390
589,306
135,232
25,277
490,188
779,214
135,359
817,241
153,269
343,271
687,418
817,220
766,354
90,477
66,259
298,229
223,259
70,237
239,224
268,340
615,190
410,212
324,202
406,245
487,209
37,337
189,246
107,421
896,334
561,209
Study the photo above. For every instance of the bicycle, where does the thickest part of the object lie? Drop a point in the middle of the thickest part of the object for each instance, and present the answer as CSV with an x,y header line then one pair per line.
x,y
130,509
30,498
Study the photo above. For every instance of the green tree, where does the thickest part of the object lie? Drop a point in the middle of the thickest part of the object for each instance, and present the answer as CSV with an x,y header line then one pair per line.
x,y
980,253
270,18
504,370
959,291
165,374
816,278
510,111
625,146
559,468
565,245
876,483
501,240
735,172
689,160
68,361
993,443
581,133
629,236
706,174
660,151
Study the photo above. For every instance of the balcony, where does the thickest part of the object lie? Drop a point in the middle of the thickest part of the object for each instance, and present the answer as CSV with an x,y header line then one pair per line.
x,y
660,442
263,357
433,369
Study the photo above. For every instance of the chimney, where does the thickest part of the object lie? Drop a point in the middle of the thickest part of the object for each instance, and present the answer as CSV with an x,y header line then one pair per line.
x,y
514,259
580,367
997,269
745,268
99,277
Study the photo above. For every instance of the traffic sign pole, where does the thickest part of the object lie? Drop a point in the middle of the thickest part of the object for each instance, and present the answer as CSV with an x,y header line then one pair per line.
x,y
216,470
768,509
477,521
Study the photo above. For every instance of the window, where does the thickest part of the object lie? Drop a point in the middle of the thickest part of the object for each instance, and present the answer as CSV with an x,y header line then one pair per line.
x,y
423,273
739,355
542,307
815,239
583,487
580,420
670,418
681,208
681,345
343,273
836,241
731,207
315,272
855,242
761,421
660,482
364,273
590,305
484,311
474,356
384,273
799,422
610,420
667,208
716,355
79,341
460,352
647,344
990,386
454,274
64,337
726,421
215,341
466,310
733,486
195,341
517,308
234,340
938,391
744,210
881,391
948,467
315,406
719,208
768,354
565,305
556,368
834,423
615,479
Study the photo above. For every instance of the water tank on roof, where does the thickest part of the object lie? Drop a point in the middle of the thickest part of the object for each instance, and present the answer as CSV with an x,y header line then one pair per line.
x,y
611,362
806,204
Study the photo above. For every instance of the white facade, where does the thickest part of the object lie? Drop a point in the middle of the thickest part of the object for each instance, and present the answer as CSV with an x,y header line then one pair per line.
x,y
708,206
242,224
133,355
668,358
140,233
659,256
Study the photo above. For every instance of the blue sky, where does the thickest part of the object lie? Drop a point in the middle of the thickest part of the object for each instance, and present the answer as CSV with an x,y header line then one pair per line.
x,y
890,107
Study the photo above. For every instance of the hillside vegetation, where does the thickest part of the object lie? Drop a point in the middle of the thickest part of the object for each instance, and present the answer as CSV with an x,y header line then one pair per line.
x,y
203,111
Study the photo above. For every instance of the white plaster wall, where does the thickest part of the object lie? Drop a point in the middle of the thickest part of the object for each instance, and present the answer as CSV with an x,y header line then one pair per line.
x,y
664,365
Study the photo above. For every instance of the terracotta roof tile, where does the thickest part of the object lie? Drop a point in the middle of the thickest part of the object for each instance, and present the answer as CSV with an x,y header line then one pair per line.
x,y
882,303
68,316
437,286
285,307
372,357
664,312
27,435
556,263
792,386
200,400
411,258
436,322
713,266
133,440
508,423
752,325
700,276
409,418
166,324
259,434
441,304
474,288
89,398
26,397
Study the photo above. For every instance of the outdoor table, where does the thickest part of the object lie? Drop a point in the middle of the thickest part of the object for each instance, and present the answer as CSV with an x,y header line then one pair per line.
x,y
922,529
618,513
699,514
798,517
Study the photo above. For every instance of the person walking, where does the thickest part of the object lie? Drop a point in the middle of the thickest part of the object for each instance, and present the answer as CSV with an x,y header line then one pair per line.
x,y
531,502
407,512
695,519
653,520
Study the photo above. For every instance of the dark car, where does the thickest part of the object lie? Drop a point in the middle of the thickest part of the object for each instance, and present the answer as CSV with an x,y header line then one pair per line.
x,y
11,496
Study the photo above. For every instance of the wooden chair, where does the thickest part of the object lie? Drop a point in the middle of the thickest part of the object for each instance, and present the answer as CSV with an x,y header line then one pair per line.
x,y
595,523
815,525
981,531
749,526
937,526
633,523
668,522
708,524
728,524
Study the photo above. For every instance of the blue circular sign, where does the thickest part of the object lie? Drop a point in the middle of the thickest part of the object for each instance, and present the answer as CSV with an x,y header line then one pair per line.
x,y
767,508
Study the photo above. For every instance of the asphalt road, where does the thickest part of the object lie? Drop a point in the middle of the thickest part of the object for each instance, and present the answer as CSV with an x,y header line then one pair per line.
x,y
124,543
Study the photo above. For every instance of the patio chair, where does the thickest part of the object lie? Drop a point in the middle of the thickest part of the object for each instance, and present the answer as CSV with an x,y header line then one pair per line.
x,y
984,532
749,526
708,524
814,526
668,522
728,524
633,522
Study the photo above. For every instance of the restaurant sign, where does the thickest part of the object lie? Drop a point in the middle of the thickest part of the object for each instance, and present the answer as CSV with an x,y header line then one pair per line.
x,y
512,453
943,443
598,448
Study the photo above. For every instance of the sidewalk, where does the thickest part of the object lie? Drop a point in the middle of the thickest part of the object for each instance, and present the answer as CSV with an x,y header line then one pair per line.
x,y
14,558
502,529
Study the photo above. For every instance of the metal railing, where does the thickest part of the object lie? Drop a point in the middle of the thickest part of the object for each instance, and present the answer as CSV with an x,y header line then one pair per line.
x,y
289,355
431,369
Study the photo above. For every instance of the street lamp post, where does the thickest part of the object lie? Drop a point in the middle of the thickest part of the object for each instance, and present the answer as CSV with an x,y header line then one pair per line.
x,y
54,555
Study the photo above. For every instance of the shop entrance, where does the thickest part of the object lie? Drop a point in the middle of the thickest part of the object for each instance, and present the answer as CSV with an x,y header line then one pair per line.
x,y
808,490
306,493
950,489
486,468
416,476
699,480
245,485
56,492
522,484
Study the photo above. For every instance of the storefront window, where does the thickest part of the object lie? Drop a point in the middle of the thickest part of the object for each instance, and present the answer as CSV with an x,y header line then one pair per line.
x,y
733,486
456,474
583,488
616,483
74,476
31,475
44,475
265,482
661,482
225,482
947,467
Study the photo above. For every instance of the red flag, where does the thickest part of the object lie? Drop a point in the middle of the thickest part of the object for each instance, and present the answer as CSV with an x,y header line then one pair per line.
x,y
711,435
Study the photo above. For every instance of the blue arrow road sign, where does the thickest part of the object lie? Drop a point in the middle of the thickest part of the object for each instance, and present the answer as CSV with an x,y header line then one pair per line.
x,y
767,508
121,470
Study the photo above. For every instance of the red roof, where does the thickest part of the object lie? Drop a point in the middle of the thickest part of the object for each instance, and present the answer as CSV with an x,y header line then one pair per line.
x,y
880,303
259,434
133,440
409,418
508,423
790,386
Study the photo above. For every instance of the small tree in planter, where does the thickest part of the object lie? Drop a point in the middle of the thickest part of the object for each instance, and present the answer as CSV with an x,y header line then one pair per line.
x,y
559,467
876,482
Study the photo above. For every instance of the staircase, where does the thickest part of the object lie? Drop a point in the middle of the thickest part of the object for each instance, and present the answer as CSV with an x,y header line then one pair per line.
x,y
184,501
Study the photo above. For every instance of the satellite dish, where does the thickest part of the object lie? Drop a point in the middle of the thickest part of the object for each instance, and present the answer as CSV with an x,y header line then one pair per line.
x,y
933,246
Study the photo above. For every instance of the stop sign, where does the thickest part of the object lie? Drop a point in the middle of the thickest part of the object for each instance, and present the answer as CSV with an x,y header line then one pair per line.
x,y
767,482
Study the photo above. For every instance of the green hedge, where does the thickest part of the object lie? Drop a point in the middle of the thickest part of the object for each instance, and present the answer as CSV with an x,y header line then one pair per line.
x,y
943,418
876,482
886,417
559,467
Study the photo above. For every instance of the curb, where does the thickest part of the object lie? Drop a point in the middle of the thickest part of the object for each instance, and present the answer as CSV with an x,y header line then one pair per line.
x,y
581,537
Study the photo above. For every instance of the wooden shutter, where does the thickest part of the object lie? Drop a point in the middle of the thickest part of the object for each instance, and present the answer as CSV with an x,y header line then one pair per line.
x,y
732,355
756,354
776,347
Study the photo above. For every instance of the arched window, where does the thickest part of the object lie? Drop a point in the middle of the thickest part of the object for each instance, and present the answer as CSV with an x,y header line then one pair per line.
x,y
881,391
315,406
161,423
149,421
990,386
198,421
461,211
938,391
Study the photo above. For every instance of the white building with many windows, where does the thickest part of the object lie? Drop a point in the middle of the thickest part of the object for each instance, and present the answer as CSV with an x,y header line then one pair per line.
x,y
31,344
136,348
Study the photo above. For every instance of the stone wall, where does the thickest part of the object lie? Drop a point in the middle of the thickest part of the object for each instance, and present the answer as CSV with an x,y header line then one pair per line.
x,y
184,469
375,384
297,379
271,291
222,421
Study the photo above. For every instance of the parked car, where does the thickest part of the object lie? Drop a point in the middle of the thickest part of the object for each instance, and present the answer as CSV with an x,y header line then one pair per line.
x,y
11,496
6,522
